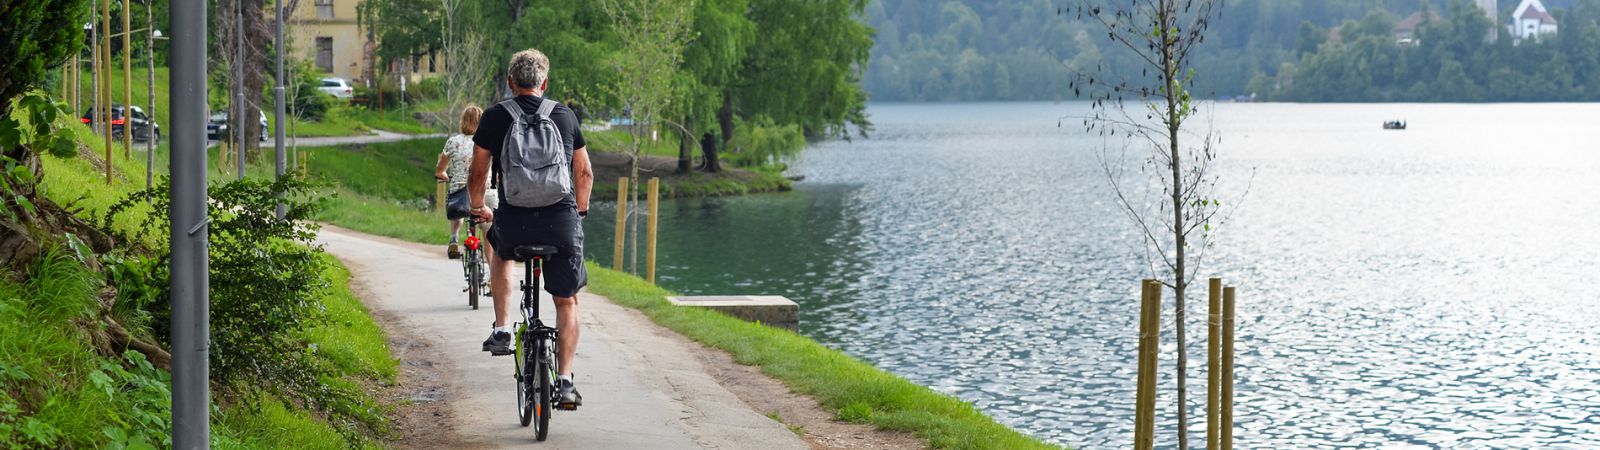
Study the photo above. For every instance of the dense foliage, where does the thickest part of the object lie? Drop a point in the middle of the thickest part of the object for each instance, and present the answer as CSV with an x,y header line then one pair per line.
x,y
37,35
798,62
266,277
1031,50
1451,62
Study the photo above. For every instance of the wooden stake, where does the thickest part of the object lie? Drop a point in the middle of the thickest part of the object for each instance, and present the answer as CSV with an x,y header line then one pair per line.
x,y
1149,345
1213,361
1226,425
439,196
127,83
650,246
105,79
622,222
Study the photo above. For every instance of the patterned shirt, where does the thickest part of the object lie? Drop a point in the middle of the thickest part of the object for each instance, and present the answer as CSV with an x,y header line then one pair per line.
x,y
459,150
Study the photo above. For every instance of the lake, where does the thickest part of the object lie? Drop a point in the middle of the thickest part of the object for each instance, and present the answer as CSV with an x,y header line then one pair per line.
x,y
1425,288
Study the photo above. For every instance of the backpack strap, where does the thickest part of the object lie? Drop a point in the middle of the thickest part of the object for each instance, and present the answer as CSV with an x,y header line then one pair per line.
x,y
546,107
515,111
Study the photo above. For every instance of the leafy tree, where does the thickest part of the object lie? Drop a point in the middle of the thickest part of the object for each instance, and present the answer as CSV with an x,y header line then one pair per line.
x,y
1309,38
37,35
404,29
806,67
722,36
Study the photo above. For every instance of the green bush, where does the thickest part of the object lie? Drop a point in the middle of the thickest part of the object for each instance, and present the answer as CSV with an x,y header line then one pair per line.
x,y
265,276
760,142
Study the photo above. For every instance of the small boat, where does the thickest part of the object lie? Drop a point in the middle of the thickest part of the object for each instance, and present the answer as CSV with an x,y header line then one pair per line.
x,y
1394,125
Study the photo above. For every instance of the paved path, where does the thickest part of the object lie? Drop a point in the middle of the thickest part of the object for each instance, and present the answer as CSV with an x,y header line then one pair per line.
x,y
376,137
641,388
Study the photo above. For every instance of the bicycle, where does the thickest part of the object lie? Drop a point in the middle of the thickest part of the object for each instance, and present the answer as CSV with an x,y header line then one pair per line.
x,y
535,347
472,264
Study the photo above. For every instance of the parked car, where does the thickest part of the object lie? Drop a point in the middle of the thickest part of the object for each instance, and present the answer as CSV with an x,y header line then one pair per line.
x,y
337,87
144,128
217,125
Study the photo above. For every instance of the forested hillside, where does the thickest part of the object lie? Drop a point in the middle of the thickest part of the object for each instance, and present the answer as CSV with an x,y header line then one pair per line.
x,y
1028,49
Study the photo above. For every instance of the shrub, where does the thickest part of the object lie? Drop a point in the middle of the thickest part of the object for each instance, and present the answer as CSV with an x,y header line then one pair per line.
x,y
759,142
265,274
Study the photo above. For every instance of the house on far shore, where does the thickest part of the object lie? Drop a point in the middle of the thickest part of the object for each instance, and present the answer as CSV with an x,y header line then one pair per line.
x,y
1405,32
1531,20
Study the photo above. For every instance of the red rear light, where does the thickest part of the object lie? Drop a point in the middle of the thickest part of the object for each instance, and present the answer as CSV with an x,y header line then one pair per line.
x,y
84,120
117,121
472,242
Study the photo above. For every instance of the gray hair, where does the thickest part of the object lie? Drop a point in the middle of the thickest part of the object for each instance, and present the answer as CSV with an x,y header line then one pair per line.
x,y
529,69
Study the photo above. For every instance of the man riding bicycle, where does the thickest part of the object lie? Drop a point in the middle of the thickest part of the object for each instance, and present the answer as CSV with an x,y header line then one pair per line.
x,y
558,224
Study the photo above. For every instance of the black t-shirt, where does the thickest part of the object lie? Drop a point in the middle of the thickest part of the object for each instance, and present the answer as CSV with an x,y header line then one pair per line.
x,y
496,122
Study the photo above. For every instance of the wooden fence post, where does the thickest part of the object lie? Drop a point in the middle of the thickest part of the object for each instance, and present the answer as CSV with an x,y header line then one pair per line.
x,y
1213,362
1226,425
1149,345
650,246
439,196
622,223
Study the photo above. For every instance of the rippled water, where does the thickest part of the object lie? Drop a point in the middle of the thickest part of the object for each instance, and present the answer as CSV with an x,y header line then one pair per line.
x,y
1416,289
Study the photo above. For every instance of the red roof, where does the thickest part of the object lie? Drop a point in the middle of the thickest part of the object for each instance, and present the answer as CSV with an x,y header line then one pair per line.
x,y
1533,12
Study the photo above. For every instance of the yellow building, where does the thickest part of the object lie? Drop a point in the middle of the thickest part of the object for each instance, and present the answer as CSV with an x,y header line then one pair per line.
x,y
328,33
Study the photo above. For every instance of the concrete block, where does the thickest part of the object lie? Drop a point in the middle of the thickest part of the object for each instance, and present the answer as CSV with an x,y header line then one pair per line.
x,y
771,310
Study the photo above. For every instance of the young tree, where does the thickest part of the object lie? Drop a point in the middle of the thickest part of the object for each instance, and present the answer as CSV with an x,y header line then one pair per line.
x,y
1150,115
652,35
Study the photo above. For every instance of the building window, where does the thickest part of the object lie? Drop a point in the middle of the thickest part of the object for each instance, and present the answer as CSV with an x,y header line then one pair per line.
x,y
324,9
325,54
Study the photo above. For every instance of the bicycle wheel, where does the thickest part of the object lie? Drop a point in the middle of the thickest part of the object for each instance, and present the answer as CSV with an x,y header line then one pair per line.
x,y
474,276
525,381
545,390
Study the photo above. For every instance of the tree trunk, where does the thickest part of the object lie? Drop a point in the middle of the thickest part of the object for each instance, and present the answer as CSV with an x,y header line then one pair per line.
x,y
708,148
1173,85
725,117
256,37
685,151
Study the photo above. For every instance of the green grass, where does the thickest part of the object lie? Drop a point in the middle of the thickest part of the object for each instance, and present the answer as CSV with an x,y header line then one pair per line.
x,y
617,140
384,217
854,390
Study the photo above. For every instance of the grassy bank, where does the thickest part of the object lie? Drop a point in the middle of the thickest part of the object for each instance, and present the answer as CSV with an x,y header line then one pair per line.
x,y
853,390
57,391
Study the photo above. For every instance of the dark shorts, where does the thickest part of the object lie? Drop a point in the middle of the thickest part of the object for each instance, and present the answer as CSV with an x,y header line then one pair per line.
x,y
564,273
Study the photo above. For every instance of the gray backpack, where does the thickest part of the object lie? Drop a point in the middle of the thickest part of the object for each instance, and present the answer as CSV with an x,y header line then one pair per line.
x,y
534,170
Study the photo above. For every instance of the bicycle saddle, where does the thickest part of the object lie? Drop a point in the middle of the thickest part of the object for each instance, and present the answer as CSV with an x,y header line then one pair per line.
x,y
523,253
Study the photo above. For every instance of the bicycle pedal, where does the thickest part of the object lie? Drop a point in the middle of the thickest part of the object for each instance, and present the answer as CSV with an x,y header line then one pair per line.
x,y
567,406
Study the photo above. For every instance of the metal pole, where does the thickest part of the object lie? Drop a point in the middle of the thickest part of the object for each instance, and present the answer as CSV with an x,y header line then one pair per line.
x,y
150,61
191,314
238,85
277,111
